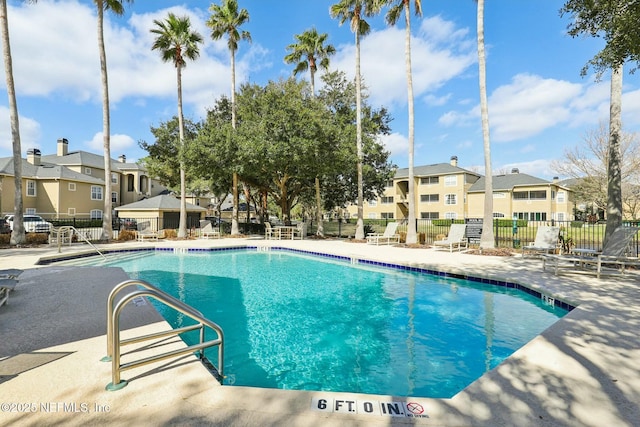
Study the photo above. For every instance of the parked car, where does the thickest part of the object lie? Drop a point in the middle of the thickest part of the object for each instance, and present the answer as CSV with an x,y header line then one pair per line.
x,y
32,224
4,226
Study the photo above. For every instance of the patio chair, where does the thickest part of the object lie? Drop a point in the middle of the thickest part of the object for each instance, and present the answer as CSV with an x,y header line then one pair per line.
x,y
389,236
588,261
270,233
144,231
207,231
6,285
300,232
455,239
546,241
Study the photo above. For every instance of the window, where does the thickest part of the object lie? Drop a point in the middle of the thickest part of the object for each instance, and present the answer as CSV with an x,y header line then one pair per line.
x,y
387,215
429,215
31,188
450,199
530,195
531,216
114,197
96,214
30,211
96,193
114,178
499,196
130,183
389,184
560,215
450,215
450,181
430,198
372,215
430,180
373,203
561,197
498,215
71,211
72,186
387,200
87,171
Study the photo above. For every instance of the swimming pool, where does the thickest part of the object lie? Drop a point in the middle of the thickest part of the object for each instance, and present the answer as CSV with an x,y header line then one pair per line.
x,y
299,322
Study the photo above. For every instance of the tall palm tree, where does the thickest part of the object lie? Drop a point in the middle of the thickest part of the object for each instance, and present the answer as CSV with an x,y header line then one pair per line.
x,y
486,238
18,236
117,7
308,53
393,14
177,42
226,19
354,11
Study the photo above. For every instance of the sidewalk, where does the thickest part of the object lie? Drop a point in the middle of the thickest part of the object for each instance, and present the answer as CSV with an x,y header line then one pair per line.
x,y
582,371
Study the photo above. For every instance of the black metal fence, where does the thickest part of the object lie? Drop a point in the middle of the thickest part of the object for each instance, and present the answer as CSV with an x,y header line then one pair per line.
x,y
507,233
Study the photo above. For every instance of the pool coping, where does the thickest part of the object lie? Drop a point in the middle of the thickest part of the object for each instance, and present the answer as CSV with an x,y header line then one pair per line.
x,y
563,377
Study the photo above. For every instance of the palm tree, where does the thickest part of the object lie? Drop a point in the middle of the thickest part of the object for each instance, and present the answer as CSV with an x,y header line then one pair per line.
x,y
353,11
117,8
225,20
308,53
177,43
18,236
395,10
486,238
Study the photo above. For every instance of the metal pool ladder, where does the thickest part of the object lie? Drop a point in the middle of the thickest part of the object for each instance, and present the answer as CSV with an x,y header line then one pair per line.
x,y
113,332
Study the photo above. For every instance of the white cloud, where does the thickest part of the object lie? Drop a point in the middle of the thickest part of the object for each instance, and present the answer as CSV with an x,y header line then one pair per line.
x,y
29,132
118,143
396,144
436,58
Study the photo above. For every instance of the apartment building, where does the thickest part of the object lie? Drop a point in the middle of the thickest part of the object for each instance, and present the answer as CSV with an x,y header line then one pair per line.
x,y
524,197
72,184
446,191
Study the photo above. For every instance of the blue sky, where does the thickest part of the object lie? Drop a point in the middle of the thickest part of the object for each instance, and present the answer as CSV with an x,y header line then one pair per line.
x,y
539,105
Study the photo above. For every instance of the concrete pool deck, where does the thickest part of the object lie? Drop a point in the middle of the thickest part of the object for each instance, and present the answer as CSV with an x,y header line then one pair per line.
x,y
582,371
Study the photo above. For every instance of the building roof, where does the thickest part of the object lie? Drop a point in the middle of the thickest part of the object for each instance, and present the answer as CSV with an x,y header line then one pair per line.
x,y
84,158
508,182
163,202
46,171
433,170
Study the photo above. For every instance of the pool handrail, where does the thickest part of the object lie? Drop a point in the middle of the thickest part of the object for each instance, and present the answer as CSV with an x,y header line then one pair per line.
x,y
113,331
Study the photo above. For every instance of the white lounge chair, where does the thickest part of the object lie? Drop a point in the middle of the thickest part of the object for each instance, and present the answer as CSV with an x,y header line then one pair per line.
x,y
300,232
8,283
546,241
588,261
207,231
389,236
455,238
145,232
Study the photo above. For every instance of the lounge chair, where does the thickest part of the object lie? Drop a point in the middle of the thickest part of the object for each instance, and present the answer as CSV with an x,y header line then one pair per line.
x,y
455,238
207,231
10,273
145,232
546,241
389,236
593,262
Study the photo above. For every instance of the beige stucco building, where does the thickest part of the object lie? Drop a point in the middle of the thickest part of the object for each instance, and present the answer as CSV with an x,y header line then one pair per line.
x,y
71,184
447,191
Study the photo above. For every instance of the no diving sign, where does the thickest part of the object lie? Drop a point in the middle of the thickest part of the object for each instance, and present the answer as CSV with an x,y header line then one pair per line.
x,y
410,409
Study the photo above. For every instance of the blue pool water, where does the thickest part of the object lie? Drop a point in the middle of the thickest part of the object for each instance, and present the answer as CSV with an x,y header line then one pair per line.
x,y
308,323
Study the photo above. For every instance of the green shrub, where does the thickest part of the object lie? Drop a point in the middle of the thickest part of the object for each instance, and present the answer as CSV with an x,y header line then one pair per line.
x,y
577,224
37,238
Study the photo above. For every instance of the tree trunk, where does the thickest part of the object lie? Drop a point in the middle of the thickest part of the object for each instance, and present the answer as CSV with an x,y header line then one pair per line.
x,y
411,226
487,240
236,200
360,222
107,227
236,197
182,228
614,166
17,235
320,230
